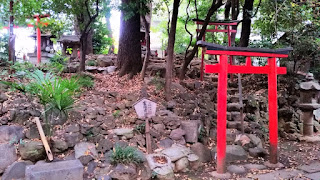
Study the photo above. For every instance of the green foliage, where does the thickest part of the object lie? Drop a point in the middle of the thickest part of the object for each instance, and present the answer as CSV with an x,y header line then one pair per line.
x,y
125,155
4,55
84,80
101,42
53,92
91,63
156,80
135,7
116,113
15,86
141,128
25,66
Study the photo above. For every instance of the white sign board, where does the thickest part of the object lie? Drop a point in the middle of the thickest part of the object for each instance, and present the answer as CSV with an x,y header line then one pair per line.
x,y
145,108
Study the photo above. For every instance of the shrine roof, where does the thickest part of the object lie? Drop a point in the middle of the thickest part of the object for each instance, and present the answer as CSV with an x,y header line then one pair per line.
x,y
69,39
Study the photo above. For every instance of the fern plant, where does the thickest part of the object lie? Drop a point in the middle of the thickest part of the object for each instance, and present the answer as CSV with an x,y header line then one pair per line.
x,y
125,155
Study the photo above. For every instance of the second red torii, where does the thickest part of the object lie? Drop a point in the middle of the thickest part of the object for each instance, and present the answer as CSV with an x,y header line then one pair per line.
x,y
223,68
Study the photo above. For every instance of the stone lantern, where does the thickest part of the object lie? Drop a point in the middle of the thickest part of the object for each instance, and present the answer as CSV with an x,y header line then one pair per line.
x,y
309,101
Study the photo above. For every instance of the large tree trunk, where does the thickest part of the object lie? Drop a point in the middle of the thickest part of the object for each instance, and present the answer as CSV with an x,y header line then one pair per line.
x,y
246,23
171,41
227,10
129,55
89,43
83,47
214,7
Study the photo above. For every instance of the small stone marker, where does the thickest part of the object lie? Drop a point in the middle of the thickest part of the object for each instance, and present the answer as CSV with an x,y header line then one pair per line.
x,y
145,108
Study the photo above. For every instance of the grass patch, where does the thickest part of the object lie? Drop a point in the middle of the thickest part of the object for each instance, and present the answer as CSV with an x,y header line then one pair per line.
x,y
125,155
84,80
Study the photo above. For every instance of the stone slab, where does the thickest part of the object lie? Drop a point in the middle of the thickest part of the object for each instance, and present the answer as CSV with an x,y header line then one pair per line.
x,y
311,168
62,170
313,176
281,174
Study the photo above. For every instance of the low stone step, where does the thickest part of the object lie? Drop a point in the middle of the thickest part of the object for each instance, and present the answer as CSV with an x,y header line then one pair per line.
x,y
71,170
233,107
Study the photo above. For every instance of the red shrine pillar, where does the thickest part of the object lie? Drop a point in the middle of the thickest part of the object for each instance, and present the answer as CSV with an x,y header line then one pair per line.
x,y
38,40
222,114
273,110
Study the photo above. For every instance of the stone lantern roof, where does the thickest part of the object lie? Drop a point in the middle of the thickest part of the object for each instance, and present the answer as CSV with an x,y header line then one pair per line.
x,y
310,85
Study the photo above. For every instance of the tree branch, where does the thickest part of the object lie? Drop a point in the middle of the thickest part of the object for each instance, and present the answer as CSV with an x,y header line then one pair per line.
x,y
91,18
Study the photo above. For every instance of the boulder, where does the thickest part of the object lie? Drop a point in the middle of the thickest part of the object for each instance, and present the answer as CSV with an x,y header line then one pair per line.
x,y
202,152
191,129
59,145
177,134
124,172
104,145
8,155
32,150
72,138
233,153
11,134
165,143
127,132
257,152
70,170
236,169
194,161
181,165
176,151
164,173
3,97
85,152
16,170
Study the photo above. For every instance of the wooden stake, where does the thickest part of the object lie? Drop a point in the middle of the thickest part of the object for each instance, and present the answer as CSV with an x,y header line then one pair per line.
x,y
44,140
148,137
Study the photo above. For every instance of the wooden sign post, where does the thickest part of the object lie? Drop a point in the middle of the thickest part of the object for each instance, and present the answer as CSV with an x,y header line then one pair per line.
x,y
146,109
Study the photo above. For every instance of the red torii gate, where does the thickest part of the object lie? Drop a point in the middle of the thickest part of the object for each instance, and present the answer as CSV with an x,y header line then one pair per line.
x,y
38,17
216,24
223,68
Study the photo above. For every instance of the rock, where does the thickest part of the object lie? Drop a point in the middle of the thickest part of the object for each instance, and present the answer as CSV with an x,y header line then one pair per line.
x,y
32,150
124,172
176,152
127,132
104,61
191,129
235,116
72,138
235,152
159,128
164,173
104,177
68,170
7,156
3,97
146,172
165,143
72,128
255,166
33,132
181,165
177,134
202,152
85,152
111,69
104,145
236,169
257,152
56,117
194,161
16,170
11,134
59,146
256,140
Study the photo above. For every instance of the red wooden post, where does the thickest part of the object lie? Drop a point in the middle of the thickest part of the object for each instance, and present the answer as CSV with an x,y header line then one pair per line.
x,y
273,110
38,40
222,114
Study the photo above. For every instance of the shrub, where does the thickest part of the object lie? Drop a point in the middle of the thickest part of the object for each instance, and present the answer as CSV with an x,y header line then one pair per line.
x,y
125,155
84,80
22,66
